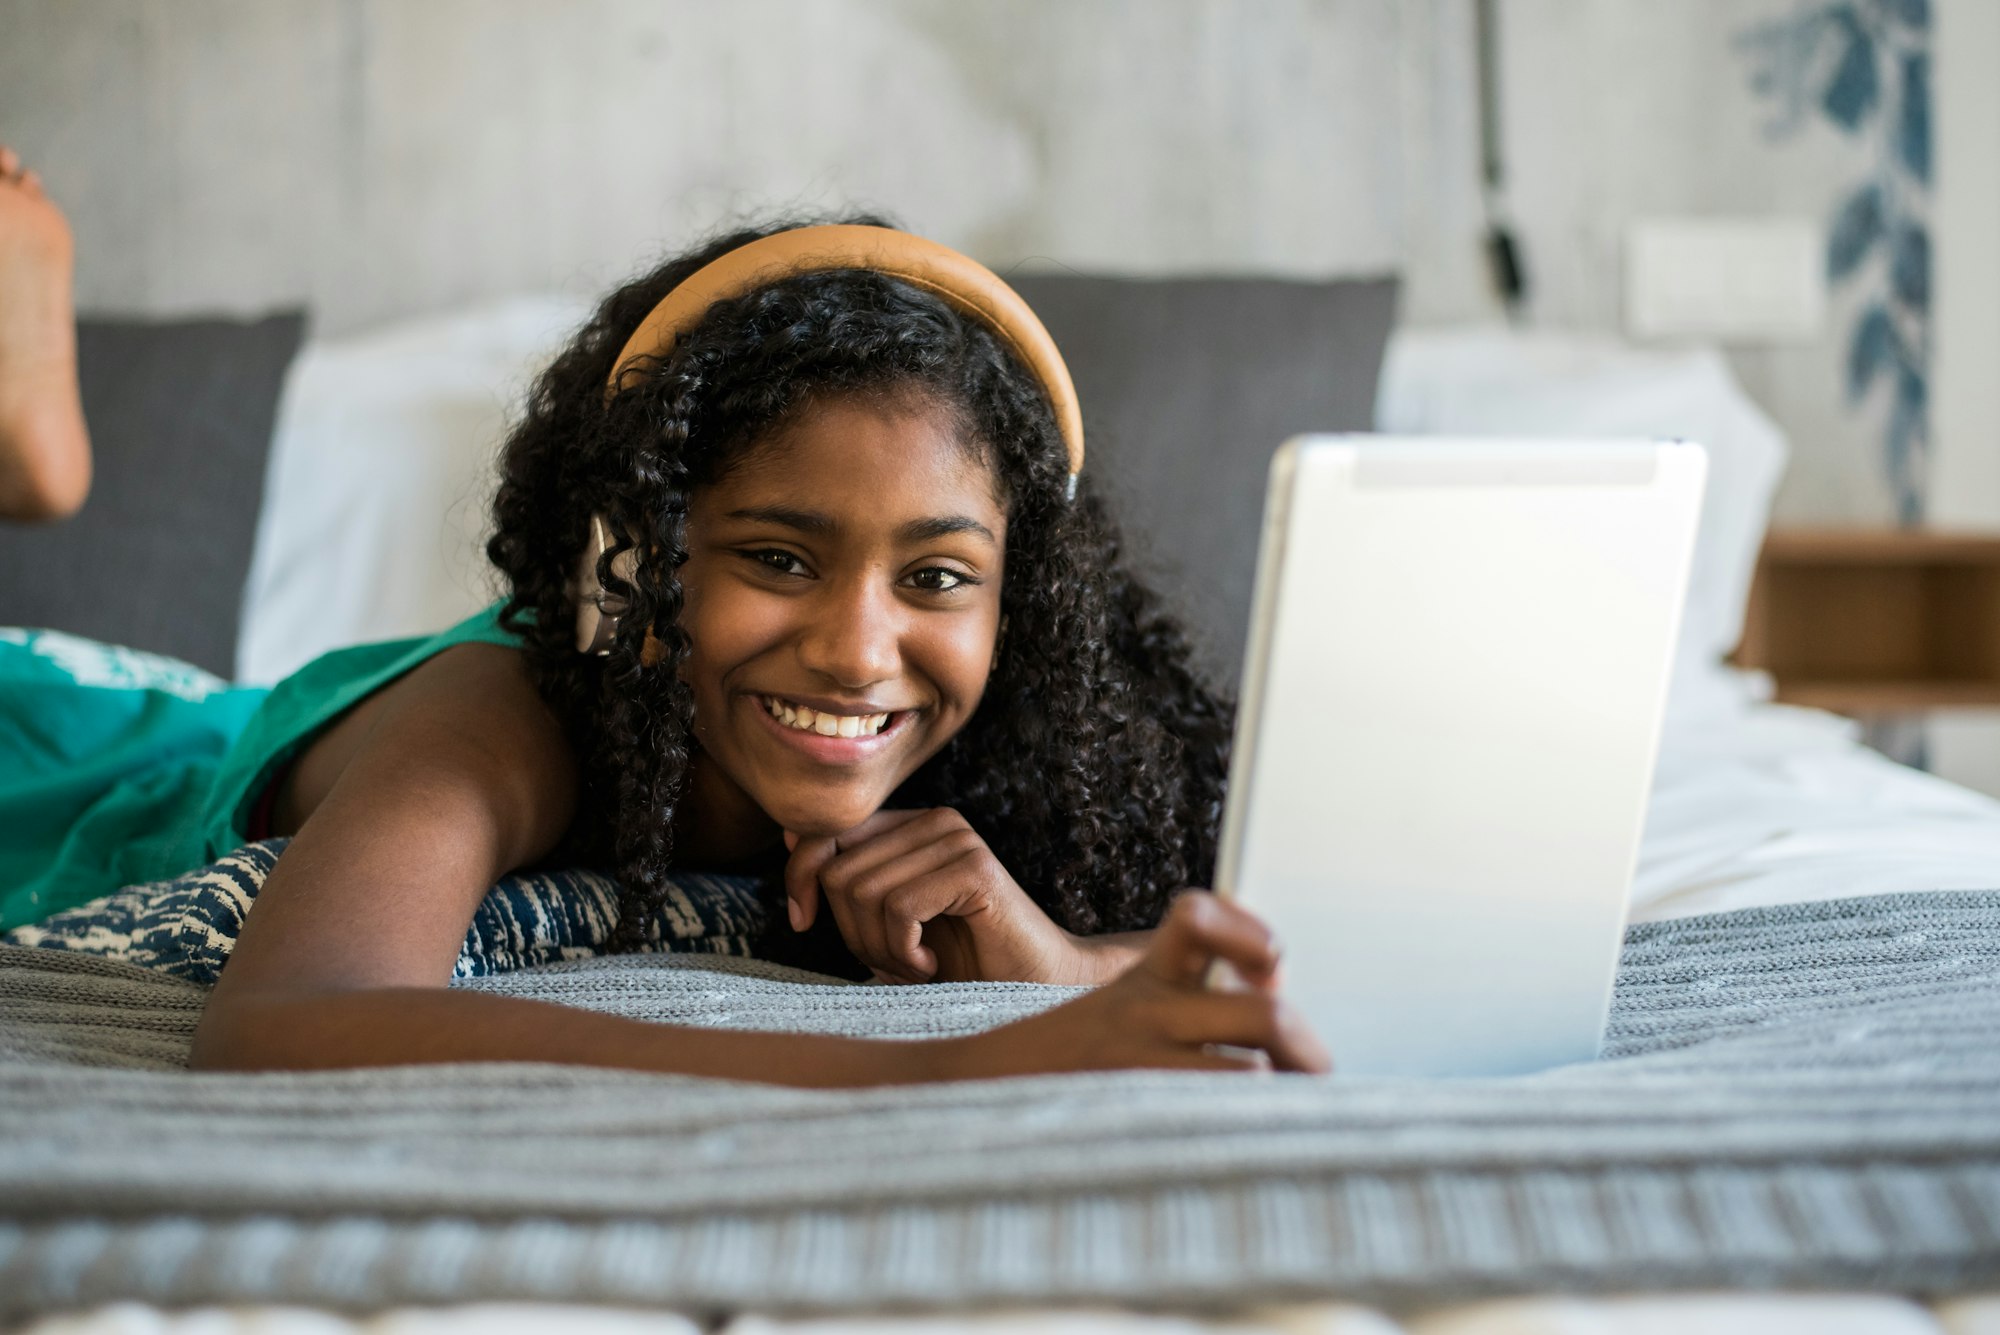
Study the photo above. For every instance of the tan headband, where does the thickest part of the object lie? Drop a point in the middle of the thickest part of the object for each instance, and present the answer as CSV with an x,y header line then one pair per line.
x,y
965,283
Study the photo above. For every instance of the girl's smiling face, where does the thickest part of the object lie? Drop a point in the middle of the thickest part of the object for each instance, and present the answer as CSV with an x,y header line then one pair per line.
x,y
842,599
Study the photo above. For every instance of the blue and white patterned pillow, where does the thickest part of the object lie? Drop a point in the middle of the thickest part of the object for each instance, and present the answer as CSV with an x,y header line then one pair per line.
x,y
188,925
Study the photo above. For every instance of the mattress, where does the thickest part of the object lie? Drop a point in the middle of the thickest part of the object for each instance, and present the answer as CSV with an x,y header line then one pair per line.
x,y
1802,1094
1662,1314
1755,804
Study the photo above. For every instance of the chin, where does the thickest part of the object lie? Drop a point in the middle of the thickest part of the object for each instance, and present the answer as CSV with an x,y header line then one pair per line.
x,y
822,814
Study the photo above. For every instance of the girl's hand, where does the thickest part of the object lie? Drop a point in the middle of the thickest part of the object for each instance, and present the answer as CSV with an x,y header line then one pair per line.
x,y
1158,1013
919,898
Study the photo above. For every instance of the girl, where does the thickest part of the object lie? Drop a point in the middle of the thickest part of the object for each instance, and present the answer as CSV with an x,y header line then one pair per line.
x,y
802,582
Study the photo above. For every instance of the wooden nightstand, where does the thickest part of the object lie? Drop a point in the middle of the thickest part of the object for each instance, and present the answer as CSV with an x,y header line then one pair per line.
x,y
1877,623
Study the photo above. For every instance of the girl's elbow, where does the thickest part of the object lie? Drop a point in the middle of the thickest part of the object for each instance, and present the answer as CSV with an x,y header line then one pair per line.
x,y
253,1031
224,1040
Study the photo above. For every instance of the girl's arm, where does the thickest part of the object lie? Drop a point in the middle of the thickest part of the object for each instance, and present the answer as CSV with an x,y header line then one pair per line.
x,y
419,800
406,812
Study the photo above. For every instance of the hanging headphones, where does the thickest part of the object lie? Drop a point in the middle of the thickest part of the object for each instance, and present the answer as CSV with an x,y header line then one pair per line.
x,y
597,609
960,281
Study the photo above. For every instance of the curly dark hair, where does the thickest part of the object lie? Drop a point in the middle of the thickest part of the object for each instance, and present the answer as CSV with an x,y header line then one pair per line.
x,y
1094,765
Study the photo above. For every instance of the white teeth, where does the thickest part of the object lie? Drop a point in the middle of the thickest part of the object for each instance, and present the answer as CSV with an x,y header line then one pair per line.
x,y
826,725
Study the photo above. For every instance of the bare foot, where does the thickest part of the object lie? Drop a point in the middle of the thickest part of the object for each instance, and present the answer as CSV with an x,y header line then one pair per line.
x,y
44,447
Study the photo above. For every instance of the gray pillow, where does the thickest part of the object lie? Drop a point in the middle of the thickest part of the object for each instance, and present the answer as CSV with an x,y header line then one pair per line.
x,y
180,416
1187,387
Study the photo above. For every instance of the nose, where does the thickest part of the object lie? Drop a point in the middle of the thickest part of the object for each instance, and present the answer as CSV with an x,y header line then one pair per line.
x,y
853,633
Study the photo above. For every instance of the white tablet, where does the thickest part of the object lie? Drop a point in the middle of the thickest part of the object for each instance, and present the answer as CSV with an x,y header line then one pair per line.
x,y
1458,662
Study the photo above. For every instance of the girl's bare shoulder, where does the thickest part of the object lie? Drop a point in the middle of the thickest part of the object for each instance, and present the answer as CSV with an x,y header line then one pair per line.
x,y
472,705
403,813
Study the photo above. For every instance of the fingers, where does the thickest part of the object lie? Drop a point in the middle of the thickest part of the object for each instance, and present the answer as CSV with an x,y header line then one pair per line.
x,y
874,862
877,880
935,882
1248,1020
802,877
1200,929
894,897
1208,1059
881,823
10,162
891,906
905,936
811,855
888,835
891,902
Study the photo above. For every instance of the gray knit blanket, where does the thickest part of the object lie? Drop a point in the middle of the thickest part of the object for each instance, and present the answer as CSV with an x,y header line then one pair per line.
x,y
1806,1095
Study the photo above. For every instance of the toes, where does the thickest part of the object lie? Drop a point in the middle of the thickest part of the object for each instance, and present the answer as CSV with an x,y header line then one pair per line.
x,y
12,172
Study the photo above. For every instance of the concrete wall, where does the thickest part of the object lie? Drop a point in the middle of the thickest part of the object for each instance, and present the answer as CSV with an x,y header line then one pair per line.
x,y
377,158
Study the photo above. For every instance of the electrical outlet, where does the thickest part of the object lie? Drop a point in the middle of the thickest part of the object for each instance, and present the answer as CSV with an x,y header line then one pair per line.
x,y
1738,280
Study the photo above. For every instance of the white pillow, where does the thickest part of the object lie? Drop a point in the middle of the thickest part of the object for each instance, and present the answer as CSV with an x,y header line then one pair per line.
x,y
1489,381
375,508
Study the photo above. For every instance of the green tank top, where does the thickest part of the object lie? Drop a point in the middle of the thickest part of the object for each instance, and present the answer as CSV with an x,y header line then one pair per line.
x,y
118,768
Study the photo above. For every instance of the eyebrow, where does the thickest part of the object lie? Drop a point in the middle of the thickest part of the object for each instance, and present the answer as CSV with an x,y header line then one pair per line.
x,y
805,521
819,525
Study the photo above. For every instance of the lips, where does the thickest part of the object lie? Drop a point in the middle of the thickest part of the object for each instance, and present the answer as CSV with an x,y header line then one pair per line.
x,y
824,723
875,731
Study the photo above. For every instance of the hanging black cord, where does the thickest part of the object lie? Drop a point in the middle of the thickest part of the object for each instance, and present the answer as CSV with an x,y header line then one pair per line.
x,y
1503,253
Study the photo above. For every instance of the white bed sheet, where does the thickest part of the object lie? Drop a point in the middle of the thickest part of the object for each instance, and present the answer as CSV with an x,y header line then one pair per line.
x,y
1757,803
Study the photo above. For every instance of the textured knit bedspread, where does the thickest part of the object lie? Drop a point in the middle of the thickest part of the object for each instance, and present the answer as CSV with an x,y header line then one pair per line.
x,y
1806,1095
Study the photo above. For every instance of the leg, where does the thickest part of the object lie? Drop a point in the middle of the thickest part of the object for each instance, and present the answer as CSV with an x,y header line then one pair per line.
x,y
44,447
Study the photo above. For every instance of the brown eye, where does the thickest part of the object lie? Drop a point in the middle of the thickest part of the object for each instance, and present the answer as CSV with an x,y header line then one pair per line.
x,y
777,559
938,579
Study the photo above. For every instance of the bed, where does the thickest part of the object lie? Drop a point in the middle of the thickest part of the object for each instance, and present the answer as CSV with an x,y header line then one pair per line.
x,y
1797,1126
